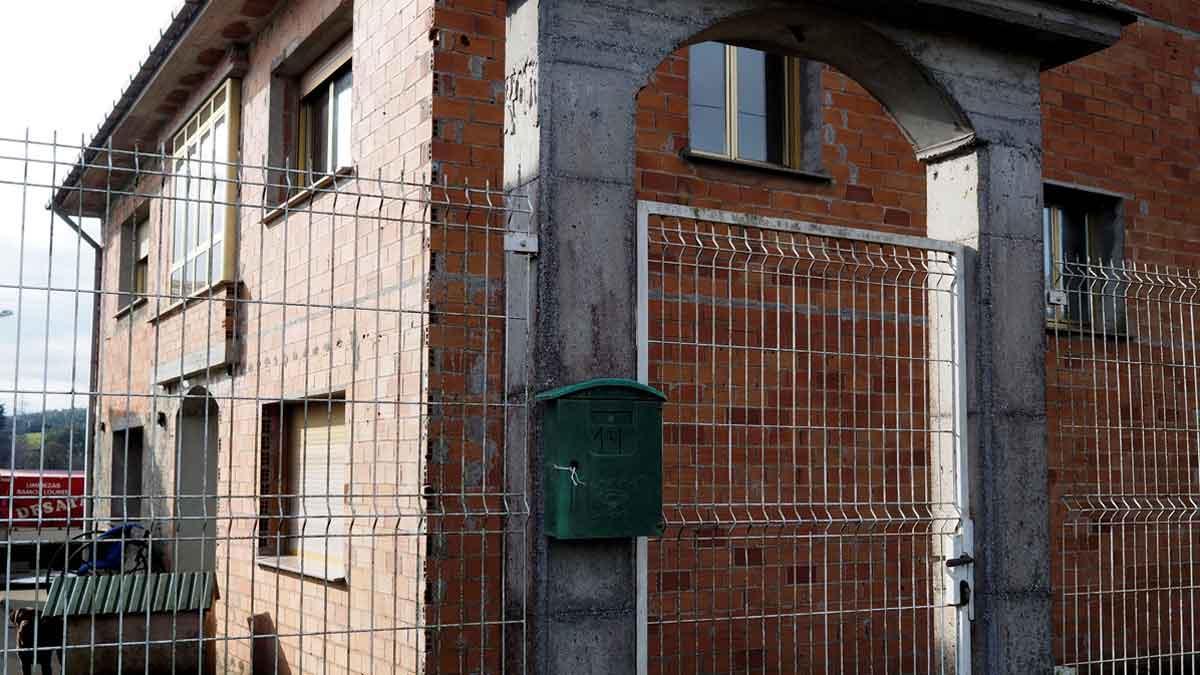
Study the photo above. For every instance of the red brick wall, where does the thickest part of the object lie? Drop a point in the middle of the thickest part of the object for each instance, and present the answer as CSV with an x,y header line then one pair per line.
x,y
465,575
1124,120
1127,120
877,182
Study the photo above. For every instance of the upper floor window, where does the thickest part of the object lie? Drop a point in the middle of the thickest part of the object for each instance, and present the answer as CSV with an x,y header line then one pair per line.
x,y
1080,229
325,108
204,194
749,105
135,259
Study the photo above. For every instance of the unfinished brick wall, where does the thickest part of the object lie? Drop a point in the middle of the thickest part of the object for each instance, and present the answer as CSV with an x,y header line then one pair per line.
x,y
470,630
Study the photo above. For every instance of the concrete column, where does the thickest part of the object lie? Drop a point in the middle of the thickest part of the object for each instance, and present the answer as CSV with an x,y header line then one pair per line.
x,y
988,197
569,144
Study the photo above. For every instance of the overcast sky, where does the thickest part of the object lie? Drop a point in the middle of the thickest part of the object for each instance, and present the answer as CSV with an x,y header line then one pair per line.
x,y
68,60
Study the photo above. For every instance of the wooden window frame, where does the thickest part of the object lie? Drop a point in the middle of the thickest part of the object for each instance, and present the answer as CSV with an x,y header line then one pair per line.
x,y
793,145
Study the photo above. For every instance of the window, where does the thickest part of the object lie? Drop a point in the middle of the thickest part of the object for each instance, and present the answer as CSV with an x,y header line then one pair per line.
x,y
204,192
126,474
1080,229
135,259
749,105
325,106
305,486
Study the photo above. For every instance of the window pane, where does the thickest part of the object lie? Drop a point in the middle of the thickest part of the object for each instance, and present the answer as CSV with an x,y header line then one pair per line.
x,y
140,276
318,131
761,93
706,97
177,279
204,190
200,273
220,156
1074,236
216,255
193,204
179,213
341,120
1075,250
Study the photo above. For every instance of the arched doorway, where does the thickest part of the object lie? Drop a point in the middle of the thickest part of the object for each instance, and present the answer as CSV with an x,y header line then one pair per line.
x,y
194,548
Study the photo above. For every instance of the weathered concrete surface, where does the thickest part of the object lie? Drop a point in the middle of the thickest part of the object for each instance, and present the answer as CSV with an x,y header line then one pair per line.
x,y
968,102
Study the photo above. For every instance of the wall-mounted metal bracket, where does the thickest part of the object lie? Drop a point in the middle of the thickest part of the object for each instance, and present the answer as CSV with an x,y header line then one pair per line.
x,y
521,242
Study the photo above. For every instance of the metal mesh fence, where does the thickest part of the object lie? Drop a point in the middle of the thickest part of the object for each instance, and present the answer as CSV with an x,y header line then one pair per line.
x,y
1124,378
255,419
810,449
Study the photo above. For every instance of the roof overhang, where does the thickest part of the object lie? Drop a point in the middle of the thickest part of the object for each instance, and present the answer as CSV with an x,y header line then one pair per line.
x,y
204,36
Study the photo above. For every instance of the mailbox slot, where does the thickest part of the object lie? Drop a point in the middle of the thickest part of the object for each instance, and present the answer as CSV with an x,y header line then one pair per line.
x,y
603,468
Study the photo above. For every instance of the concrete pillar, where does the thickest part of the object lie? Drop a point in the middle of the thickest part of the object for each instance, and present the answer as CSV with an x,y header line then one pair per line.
x,y
569,143
988,198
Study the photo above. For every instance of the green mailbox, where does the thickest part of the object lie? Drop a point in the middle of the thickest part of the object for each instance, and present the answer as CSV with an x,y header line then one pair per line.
x,y
603,441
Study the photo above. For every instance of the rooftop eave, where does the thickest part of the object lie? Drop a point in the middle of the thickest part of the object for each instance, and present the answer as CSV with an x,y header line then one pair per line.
x,y
204,36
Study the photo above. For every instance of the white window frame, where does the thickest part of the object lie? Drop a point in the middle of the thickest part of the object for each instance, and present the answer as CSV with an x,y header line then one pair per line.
x,y
214,188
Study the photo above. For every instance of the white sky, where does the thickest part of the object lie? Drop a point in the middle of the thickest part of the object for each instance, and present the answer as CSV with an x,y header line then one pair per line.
x,y
68,62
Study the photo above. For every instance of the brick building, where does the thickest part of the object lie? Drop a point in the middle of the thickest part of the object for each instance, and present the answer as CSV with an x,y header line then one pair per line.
x,y
262,363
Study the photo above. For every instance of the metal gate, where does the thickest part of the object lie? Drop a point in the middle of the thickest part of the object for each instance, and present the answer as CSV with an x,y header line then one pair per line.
x,y
274,405
814,475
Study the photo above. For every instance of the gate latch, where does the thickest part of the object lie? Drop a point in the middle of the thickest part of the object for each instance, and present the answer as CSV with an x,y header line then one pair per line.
x,y
963,559
960,569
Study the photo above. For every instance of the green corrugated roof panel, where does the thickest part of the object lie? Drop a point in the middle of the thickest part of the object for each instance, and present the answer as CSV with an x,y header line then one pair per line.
x,y
130,594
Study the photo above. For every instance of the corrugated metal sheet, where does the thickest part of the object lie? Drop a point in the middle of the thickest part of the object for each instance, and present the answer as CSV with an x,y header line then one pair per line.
x,y
130,594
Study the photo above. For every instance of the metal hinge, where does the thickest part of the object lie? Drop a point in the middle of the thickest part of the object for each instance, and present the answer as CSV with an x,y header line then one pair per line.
x,y
1056,298
521,242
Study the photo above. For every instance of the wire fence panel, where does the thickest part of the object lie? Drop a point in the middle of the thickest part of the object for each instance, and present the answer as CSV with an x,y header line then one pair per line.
x,y
1124,403
810,457
255,420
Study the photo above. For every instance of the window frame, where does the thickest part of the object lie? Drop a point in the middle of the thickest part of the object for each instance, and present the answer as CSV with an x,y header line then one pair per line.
x,y
320,81
282,493
134,259
794,157
223,104
1100,215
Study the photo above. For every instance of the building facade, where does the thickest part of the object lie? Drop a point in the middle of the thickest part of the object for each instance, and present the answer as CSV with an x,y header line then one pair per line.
x,y
314,328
